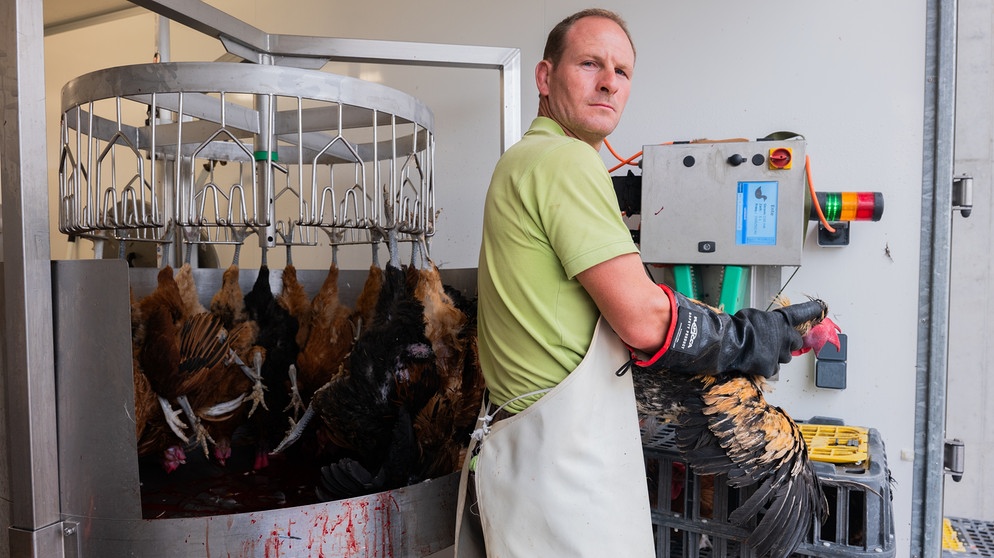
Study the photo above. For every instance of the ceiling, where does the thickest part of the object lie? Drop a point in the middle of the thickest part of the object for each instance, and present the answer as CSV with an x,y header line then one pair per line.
x,y
65,15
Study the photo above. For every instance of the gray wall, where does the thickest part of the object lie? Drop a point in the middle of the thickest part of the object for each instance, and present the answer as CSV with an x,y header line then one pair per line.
x,y
847,75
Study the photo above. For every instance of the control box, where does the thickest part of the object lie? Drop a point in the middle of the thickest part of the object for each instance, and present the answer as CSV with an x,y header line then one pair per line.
x,y
724,203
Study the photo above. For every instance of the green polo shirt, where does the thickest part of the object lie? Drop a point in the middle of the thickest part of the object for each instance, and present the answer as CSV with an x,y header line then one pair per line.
x,y
550,213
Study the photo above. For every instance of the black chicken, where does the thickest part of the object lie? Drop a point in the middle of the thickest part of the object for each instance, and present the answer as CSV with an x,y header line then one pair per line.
x,y
277,337
726,426
390,376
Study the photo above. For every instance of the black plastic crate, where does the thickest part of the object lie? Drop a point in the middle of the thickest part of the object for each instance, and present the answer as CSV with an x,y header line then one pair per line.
x,y
967,537
860,522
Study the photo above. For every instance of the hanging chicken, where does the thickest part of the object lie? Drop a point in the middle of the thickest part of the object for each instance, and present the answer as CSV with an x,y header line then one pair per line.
x,y
277,332
221,396
365,305
156,342
442,425
174,353
366,409
391,371
294,300
726,426
330,337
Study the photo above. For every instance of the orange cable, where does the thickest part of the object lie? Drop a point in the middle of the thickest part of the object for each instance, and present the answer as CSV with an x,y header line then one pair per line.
x,y
624,162
611,149
814,196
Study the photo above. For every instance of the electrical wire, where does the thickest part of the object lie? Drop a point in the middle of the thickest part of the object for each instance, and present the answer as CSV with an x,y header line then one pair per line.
x,y
611,149
626,162
783,288
623,162
814,196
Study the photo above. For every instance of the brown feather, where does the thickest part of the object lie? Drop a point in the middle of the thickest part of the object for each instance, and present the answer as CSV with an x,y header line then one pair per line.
x,y
329,341
228,303
294,299
188,291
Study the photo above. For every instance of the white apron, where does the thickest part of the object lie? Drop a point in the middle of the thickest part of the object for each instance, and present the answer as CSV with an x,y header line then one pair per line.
x,y
566,476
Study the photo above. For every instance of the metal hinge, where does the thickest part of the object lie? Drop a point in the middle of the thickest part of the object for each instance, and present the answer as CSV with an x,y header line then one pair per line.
x,y
954,458
963,194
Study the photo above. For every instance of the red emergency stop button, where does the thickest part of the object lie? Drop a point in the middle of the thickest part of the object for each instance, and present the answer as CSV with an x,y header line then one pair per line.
x,y
781,158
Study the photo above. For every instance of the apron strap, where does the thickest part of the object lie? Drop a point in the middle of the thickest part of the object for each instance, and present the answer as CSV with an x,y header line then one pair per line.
x,y
486,418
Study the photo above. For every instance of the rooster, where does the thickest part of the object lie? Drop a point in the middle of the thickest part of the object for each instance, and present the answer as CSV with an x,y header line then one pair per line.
x,y
726,426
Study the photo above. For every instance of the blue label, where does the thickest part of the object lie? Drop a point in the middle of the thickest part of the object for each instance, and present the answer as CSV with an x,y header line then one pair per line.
x,y
757,213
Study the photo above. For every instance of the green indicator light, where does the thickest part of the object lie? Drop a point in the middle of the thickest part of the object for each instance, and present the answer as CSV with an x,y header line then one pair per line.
x,y
833,206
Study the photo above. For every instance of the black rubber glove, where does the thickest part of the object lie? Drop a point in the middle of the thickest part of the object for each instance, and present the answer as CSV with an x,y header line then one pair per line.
x,y
704,341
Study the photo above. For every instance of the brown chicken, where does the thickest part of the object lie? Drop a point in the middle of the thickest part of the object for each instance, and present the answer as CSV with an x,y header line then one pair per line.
x,y
156,335
724,426
330,338
152,433
228,302
169,354
293,298
365,306
188,291
443,425
190,358
221,395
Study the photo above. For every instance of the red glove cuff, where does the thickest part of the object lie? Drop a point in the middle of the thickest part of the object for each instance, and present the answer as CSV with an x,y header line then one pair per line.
x,y
669,331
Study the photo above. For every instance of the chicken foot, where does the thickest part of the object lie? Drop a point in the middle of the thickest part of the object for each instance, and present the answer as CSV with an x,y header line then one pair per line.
x,y
222,411
200,435
296,402
254,373
172,419
297,431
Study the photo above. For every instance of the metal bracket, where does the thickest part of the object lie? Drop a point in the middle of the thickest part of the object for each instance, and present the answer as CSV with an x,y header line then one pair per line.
x,y
70,539
953,458
963,194
840,236
58,540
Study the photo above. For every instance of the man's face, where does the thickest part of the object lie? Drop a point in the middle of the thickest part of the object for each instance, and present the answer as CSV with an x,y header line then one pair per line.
x,y
587,90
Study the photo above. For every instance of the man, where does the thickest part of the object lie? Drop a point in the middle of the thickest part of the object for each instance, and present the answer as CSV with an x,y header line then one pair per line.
x,y
559,469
